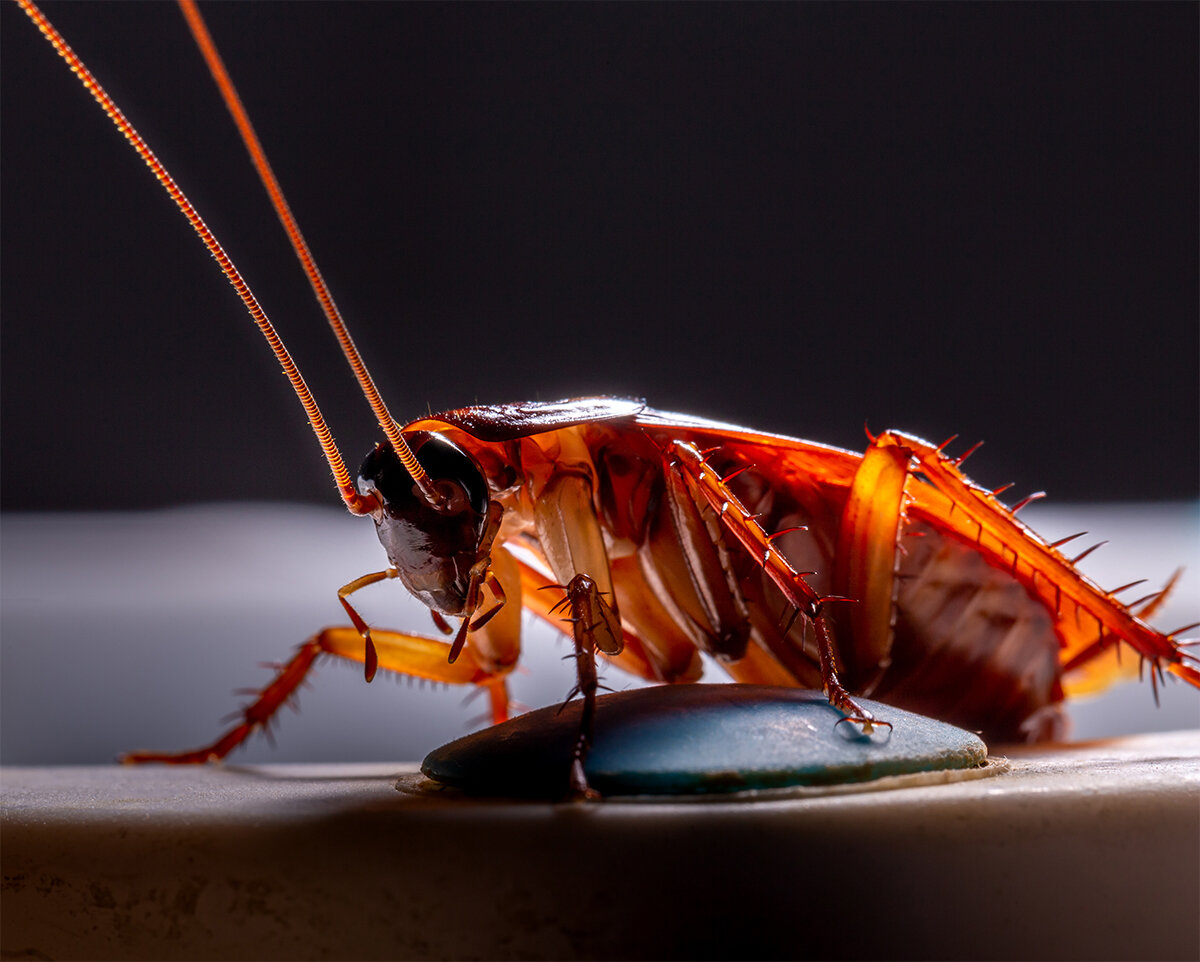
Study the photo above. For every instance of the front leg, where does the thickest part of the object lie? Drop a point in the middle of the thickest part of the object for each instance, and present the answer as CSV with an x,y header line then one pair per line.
x,y
370,656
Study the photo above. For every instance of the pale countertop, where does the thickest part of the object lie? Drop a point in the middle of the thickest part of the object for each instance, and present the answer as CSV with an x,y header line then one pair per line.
x,y
1083,851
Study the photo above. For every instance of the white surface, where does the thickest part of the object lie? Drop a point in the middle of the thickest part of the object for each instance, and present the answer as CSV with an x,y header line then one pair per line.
x,y
126,631
1086,851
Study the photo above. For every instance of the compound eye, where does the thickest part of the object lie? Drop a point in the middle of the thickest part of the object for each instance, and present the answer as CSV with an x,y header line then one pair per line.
x,y
450,468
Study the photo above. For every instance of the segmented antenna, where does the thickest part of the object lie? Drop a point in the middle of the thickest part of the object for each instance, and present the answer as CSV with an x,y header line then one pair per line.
x,y
357,503
258,156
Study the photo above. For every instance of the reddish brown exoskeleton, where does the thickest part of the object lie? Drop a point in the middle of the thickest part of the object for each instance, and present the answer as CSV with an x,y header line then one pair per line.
x,y
664,536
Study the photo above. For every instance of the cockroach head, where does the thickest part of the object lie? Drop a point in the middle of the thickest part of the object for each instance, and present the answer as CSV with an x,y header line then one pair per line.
x,y
433,547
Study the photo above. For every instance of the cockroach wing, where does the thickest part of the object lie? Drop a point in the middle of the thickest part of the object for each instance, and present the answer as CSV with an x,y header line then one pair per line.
x,y
784,460
506,422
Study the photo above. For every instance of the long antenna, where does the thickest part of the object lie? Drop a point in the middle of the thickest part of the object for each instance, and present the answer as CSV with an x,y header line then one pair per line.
x,y
357,503
233,102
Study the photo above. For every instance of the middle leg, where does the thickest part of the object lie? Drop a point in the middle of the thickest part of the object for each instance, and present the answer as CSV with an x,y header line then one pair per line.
x,y
710,488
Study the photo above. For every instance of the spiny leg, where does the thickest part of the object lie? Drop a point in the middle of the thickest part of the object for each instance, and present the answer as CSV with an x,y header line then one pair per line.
x,y
540,601
402,653
572,541
978,517
757,543
594,626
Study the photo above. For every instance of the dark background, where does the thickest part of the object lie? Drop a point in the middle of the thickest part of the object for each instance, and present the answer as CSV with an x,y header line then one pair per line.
x,y
942,218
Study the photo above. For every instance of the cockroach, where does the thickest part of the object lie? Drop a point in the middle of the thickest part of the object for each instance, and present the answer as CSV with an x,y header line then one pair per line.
x,y
661,537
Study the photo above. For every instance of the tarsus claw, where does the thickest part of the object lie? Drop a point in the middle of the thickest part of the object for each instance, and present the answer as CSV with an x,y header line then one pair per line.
x,y
866,725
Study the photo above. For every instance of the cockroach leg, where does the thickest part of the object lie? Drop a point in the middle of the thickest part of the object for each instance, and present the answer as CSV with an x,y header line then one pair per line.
x,y
370,659
571,535
270,699
590,615
757,543
1006,543
480,574
499,599
397,652
861,720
